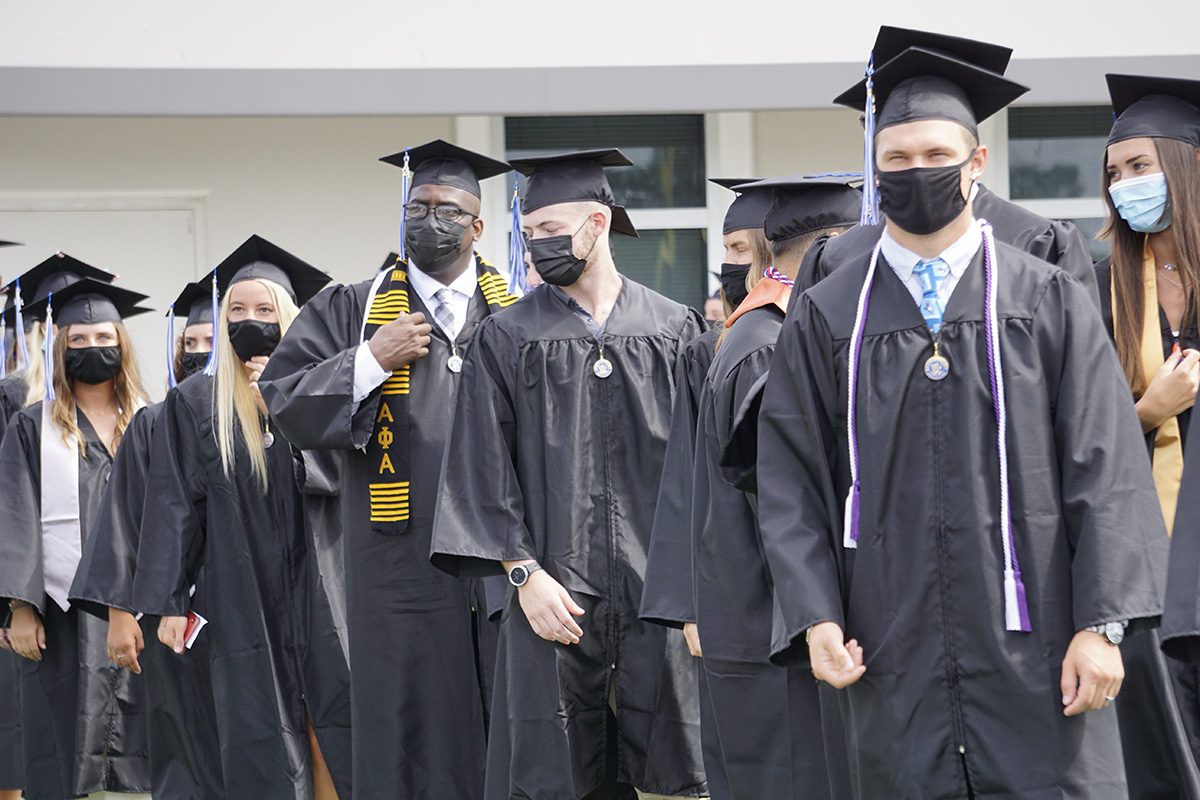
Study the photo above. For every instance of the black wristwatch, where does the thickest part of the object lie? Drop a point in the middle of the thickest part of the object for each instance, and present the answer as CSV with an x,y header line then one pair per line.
x,y
518,576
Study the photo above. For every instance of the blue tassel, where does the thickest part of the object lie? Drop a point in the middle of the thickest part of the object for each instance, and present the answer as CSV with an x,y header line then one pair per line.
x,y
517,283
210,369
172,382
870,199
48,349
405,190
22,347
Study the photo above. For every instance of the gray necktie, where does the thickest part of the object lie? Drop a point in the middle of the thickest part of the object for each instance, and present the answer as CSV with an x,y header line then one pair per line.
x,y
443,314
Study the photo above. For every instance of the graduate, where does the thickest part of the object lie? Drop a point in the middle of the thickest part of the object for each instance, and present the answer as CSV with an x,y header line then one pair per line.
x,y
557,446
82,718
1056,241
181,722
667,598
1148,286
767,720
371,371
222,497
954,498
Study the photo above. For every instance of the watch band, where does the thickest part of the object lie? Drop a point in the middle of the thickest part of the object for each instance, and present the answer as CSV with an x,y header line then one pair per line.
x,y
518,576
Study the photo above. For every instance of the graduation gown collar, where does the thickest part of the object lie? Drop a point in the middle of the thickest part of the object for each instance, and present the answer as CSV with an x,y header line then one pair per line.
x,y
767,292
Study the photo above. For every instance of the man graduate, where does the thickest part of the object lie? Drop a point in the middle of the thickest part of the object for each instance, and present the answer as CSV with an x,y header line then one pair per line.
x,y
557,448
766,720
371,370
951,474
1056,241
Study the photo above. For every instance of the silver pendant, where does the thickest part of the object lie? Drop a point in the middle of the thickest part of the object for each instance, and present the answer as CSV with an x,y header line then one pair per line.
x,y
937,367
454,363
602,368
268,439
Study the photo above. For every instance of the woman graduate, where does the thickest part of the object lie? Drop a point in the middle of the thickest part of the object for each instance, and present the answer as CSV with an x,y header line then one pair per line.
x,y
222,496
181,724
84,729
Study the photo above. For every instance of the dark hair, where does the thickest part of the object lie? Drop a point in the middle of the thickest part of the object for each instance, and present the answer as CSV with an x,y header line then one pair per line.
x,y
177,362
1180,163
796,247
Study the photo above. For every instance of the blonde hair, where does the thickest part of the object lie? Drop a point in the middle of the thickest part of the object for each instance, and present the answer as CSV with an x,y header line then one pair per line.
x,y
233,399
35,374
127,385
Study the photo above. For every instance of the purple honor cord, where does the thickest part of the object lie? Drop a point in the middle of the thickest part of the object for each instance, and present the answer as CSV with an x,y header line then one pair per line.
x,y
778,277
1016,605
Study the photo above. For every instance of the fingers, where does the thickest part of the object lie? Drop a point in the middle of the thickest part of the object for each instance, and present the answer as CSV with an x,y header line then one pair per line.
x,y
416,317
177,639
837,664
1085,698
1068,683
131,663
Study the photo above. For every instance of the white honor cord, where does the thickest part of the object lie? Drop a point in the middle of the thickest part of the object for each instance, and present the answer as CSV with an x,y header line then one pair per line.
x,y
849,532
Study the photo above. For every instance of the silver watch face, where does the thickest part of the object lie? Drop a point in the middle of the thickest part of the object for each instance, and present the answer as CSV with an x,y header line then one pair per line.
x,y
518,576
1115,632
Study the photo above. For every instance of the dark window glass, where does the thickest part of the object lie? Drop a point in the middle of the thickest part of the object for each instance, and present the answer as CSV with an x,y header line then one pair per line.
x,y
1056,152
671,262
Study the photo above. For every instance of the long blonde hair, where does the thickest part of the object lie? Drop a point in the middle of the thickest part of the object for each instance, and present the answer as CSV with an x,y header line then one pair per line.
x,y
127,385
233,398
34,375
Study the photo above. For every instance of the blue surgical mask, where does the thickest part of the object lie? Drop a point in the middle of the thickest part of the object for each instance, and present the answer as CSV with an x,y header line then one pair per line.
x,y
1141,202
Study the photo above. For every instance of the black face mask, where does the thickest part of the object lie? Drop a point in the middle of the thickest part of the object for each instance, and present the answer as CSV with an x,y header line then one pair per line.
x,y
555,260
252,338
191,363
923,200
733,282
433,244
93,365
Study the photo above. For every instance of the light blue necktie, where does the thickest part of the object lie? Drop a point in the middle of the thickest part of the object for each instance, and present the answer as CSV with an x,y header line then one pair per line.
x,y
930,274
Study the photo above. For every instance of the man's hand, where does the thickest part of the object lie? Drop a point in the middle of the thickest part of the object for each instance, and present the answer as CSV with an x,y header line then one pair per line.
x,y
401,342
1092,672
125,641
254,371
834,660
27,634
692,634
549,609
170,633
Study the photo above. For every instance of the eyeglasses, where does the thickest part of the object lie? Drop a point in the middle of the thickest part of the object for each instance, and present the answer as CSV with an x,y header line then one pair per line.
x,y
444,213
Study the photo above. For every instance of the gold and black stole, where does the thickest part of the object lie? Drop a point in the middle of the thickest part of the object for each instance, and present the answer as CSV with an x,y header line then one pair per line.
x,y
388,449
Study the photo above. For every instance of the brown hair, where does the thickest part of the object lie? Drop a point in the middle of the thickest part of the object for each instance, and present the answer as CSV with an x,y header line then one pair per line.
x,y
1180,163
127,386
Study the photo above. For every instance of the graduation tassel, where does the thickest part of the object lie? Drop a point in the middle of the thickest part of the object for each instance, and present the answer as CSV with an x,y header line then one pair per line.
x,y
1016,603
870,193
48,349
22,347
405,189
854,496
171,380
517,283
210,369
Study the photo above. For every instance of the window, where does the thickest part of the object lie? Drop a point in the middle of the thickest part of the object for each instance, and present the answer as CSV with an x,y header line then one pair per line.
x,y
664,191
1055,164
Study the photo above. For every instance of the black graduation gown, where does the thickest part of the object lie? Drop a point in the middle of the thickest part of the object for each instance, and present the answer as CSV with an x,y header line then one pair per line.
x,y
1057,242
667,596
949,696
273,655
767,719
1160,699
181,721
83,718
558,465
12,757
419,711
1181,614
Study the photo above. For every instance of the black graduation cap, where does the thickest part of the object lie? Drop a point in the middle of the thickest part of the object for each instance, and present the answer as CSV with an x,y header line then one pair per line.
x,y
389,261
1160,108
748,208
4,243
88,301
802,204
892,41
923,84
53,274
196,302
444,164
259,258
575,177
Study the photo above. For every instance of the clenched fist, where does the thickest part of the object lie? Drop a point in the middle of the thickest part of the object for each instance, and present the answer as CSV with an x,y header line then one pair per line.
x,y
402,341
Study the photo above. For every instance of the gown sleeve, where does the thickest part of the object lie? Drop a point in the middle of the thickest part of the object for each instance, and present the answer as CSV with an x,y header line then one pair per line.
x,y
168,557
798,503
104,578
480,516
308,384
1063,245
737,449
20,523
1109,503
667,597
